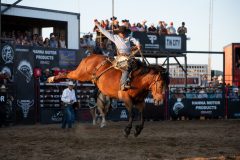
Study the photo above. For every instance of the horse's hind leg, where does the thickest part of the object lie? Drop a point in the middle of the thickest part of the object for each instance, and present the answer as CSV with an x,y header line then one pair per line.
x,y
138,128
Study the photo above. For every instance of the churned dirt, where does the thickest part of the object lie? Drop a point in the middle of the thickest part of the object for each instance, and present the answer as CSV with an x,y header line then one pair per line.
x,y
195,139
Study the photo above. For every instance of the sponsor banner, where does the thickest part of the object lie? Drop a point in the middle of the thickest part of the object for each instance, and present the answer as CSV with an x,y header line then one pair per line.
x,y
149,42
51,115
151,111
3,98
7,59
196,107
173,42
24,63
67,59
118,114
233,107
45,57
154,42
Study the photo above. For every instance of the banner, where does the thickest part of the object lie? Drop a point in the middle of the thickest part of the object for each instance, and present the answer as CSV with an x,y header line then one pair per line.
x,y
7,59
233,107
212,108
24,63
51,115
161,43
45,57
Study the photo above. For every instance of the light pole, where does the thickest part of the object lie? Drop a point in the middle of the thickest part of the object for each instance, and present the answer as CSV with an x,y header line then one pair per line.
x,y
112,13
210,39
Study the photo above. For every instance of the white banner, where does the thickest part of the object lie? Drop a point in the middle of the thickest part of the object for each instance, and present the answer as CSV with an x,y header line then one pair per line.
x,y
172,42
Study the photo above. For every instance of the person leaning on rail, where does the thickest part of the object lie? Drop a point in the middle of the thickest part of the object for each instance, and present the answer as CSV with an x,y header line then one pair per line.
x,y
122,40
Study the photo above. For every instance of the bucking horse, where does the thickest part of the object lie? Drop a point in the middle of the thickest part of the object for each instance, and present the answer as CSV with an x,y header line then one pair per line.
x,y
99,69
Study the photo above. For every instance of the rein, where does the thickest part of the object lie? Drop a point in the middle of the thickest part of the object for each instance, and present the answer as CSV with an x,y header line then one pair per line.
x,y
155,81
96,77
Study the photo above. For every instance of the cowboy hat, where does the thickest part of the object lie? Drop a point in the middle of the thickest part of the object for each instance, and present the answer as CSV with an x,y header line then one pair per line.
x,y
123,30
113,18
70,83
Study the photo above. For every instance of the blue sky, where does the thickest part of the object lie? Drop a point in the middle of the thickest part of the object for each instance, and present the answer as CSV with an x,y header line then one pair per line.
x,y
195,13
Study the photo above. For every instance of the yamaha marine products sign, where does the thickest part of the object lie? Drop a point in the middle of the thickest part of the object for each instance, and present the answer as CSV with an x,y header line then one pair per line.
x,y
196,107
24,63
45,57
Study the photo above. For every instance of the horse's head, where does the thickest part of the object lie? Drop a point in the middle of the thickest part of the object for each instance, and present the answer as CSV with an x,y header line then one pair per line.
x,y
159,85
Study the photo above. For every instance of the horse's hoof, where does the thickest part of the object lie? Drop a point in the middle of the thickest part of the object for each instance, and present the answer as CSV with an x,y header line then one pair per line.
x,y
138,130
127,131
50,79
102,125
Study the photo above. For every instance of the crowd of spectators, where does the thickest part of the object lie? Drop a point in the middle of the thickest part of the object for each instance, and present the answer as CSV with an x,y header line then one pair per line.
x,y
212,89
26,38
102,42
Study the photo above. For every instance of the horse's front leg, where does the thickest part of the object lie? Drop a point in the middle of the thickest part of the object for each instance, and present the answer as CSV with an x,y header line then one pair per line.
x,y
128,128
138,128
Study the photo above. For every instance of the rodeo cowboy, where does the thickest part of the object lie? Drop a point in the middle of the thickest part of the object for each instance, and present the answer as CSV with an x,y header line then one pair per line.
x,y
121,38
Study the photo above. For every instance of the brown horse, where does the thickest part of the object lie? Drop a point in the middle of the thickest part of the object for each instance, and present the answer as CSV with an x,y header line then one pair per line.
x,y
97,68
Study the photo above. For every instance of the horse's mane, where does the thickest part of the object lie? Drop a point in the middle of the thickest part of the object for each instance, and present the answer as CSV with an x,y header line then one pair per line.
x,y
155,69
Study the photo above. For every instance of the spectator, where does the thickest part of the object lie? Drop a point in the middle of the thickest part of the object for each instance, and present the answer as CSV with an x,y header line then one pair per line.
x,y
62,42
46,42
152,29
182,30
53,42
40,41
140,28
45,75
83,43
171,29
161,29
134,27
144,26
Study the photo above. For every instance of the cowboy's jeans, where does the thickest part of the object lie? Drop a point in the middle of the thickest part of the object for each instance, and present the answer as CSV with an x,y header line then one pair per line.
x,y
124,79
67,116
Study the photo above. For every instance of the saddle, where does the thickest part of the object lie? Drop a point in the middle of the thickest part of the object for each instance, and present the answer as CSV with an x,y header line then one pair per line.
x,y
125,63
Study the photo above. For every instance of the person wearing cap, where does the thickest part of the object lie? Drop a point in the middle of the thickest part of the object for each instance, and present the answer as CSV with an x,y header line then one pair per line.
x,y
122,40
68,98
53,42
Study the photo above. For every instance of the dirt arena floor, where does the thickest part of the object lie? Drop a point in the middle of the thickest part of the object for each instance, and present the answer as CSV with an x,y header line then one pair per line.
x,y
196,139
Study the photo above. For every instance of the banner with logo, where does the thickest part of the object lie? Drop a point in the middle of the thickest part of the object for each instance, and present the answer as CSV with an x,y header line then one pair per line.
x,y
51,115
149,41
212,108
163,43
7,59
24,64
45,57
151,111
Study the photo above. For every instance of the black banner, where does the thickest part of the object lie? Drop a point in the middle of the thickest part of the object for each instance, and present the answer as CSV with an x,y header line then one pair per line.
x,y
24,63
212,108
7,59
45,57
163,43
3,98
152,112
233,105
51,115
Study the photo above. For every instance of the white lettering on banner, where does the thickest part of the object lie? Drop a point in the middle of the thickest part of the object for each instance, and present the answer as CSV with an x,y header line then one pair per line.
x,y
51,52
35,51
148,100
42,57
206,107
2,99
172,42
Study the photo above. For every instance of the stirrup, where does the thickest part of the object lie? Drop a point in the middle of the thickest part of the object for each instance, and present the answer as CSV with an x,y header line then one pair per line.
x,y
125,87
